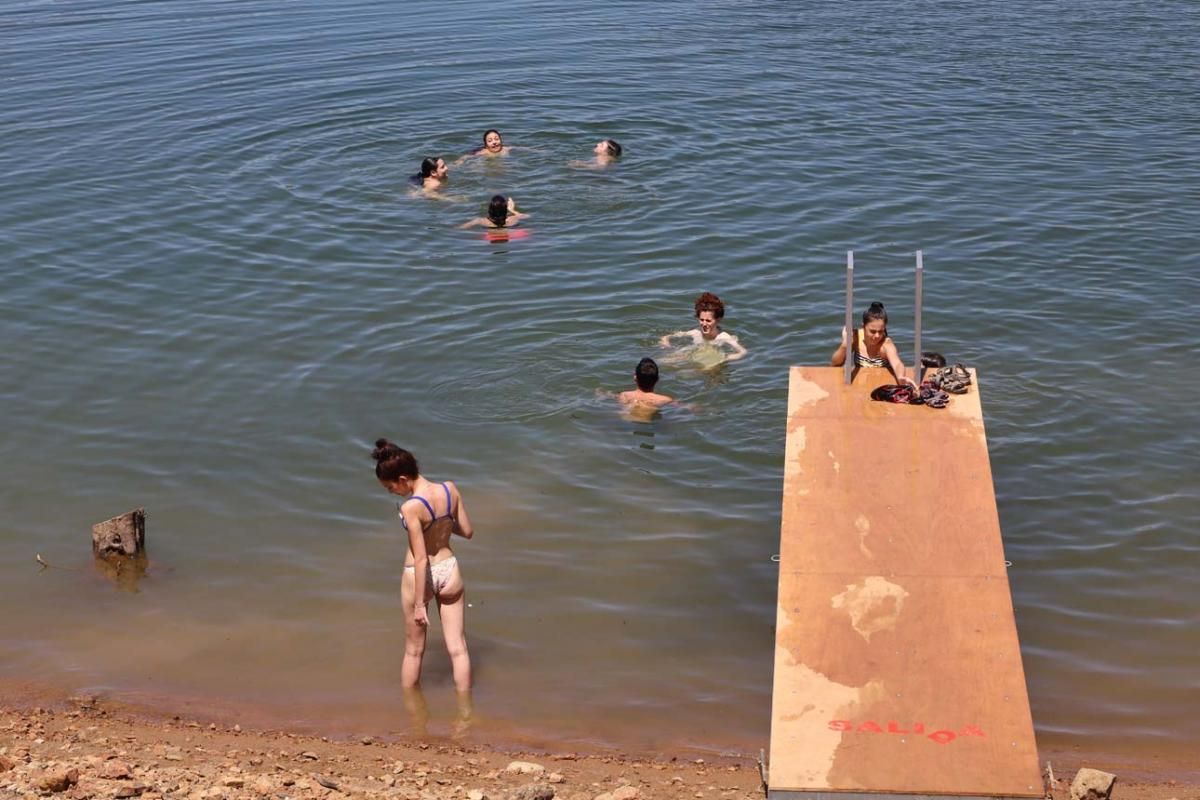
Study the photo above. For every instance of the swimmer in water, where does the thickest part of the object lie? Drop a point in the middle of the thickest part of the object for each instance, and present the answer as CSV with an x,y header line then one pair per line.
x,y
493,145
709,313
432,514
502,212
645,377
432,177
607,151
872,345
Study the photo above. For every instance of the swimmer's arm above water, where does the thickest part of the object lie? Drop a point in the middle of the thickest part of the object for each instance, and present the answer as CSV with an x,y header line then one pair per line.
x,y
839,356
462,522
690,407
416,543
693,334
732,341
514,216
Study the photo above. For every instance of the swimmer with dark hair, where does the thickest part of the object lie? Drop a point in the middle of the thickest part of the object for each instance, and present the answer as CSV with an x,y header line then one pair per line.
x,y
432,514
643,402
709,313
501,213
645,378
493,145
607,151
433,175
872,345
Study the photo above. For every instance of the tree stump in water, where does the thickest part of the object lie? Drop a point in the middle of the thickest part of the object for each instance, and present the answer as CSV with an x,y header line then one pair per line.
x,y
124,535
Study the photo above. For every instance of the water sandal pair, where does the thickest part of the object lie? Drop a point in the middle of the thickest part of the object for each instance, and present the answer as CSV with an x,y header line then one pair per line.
x,y
954,380
935,391
932,396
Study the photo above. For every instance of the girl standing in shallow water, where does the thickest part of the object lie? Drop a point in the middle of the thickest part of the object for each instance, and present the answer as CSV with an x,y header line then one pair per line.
x,y
432,513
872,345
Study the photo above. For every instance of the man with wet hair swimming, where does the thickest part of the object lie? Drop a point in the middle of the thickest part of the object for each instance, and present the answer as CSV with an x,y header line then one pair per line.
x,y
645,377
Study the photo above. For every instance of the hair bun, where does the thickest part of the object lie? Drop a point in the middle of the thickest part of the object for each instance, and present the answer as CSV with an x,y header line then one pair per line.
x,y
382,449
877,306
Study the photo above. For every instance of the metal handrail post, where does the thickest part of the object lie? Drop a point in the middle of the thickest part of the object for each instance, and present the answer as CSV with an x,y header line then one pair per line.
x,y
917,369
849,363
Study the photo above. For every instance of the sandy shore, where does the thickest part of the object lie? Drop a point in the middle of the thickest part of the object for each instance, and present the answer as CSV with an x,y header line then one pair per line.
x,y
84,747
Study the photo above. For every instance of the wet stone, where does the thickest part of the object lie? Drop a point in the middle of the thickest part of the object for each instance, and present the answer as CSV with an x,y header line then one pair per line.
x,y
524,768
1092,784
534,791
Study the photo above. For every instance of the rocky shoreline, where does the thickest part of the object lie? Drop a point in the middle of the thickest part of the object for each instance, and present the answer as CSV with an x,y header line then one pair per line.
x,y
83,747
87,750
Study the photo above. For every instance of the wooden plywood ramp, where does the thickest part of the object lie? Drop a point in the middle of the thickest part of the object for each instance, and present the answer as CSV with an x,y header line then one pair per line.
x,y
897,665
